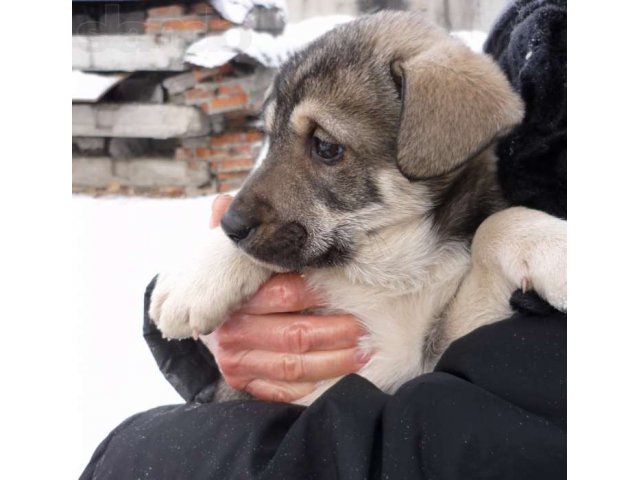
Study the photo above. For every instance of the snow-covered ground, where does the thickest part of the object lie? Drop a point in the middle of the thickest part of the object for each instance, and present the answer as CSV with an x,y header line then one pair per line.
x,y
119,244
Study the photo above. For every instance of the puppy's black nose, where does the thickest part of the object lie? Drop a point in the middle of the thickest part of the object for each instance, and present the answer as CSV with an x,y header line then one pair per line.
x,y
237,226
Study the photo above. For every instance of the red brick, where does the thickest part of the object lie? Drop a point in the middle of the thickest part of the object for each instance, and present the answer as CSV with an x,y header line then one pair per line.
x,y
232,165
248,110
227,185
202,152
224,187
216,24
227,138
254,136
223,150
201,74
198,93
173,191
183,153
230,90
238,150
184,24
193,165
153,26
225,176
235,122
201,8
166,11
225,102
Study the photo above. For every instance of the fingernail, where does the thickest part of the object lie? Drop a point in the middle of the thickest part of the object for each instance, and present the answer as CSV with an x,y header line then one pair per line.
x,y
363,355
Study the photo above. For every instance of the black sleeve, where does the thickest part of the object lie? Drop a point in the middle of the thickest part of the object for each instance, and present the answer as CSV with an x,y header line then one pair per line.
x,y
494,408
529,42
186,364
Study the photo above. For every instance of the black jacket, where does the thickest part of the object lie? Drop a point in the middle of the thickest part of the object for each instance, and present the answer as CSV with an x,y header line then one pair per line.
x,y
495,407
529,41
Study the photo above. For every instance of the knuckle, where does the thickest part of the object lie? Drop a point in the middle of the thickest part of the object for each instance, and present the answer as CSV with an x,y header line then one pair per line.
x,y
228,364
236,382
229,337
220,200
291,368
355,329
285,294
223,363
296,337
222,345
281,395
226,343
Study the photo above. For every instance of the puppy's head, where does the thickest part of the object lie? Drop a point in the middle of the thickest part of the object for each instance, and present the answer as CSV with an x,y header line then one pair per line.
x,y
353,121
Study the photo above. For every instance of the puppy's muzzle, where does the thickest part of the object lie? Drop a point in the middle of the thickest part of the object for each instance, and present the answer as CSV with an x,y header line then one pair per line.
x,y
237,226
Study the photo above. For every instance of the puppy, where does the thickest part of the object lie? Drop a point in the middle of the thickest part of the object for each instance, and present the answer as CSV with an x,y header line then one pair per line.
x,y
380,170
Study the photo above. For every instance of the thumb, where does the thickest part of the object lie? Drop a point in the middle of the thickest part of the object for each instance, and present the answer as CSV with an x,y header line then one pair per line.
x,y
218,207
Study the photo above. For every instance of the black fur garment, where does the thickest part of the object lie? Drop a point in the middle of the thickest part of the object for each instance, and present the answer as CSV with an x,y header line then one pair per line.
x,y
529,41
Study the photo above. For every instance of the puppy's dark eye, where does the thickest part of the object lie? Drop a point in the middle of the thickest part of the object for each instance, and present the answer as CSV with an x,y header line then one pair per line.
x,y
329,153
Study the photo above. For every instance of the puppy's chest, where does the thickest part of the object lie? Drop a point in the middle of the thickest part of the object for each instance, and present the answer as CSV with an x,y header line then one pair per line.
x,y
400,322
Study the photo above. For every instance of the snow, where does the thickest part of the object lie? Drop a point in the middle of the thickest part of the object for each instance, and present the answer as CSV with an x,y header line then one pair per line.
x,y
236,10
120,244
270,50
90,87
473,38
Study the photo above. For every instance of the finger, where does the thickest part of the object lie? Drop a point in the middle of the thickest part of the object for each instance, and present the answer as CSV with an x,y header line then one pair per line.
x,y
291,333
289,367
271,391
218,207
282,294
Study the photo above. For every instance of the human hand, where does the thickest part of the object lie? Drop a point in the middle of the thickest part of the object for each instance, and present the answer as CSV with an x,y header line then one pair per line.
x,y
273,353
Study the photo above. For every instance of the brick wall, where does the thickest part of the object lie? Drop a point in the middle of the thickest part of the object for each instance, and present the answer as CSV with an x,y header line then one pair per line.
x,y
230,155
197,18
225,149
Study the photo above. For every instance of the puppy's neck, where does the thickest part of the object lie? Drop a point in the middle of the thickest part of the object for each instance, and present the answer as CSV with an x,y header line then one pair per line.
x,y
429,251
402,259
463,199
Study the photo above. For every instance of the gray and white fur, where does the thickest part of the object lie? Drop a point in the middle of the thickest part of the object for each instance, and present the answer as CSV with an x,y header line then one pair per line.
x,y
408,230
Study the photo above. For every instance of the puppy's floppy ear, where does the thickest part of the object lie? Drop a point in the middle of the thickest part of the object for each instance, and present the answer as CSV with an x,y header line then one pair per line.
x,y
454,103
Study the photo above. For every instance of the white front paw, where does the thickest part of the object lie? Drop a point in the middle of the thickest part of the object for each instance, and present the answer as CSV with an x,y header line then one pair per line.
x,y
195,298
541,256
530,248
547,273
184,306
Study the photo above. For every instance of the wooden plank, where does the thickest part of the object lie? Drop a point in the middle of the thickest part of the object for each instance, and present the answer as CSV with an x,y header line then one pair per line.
x,y
138,121
128,53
